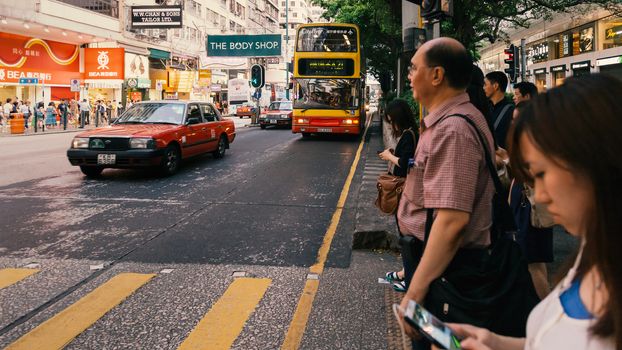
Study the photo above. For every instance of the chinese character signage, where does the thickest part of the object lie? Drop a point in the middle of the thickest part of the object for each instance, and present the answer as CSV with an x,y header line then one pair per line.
x,y
104,63
50,62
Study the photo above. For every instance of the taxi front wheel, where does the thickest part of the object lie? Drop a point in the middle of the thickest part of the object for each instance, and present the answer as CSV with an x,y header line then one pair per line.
x,y
170,160
91,171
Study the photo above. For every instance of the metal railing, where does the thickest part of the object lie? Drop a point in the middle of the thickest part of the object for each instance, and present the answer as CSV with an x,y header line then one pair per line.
x,y
105,7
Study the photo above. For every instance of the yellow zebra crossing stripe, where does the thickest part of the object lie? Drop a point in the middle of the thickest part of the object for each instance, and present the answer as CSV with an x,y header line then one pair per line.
x,y
61,329
11,276
224,322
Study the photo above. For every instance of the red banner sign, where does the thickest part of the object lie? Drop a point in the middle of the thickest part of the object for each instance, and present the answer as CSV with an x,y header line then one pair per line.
x,y
104,63
50,61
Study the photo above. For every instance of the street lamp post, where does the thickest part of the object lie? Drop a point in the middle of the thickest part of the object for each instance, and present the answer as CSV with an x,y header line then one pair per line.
x,y
286,48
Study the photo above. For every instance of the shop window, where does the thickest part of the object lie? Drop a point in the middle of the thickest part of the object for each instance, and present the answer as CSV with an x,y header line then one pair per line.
x,y
610,32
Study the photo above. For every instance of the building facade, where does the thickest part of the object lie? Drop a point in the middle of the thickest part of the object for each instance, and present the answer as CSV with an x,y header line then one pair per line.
x,y
60,41
578,43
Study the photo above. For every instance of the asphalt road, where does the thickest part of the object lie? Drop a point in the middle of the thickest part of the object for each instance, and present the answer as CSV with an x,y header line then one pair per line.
x,y
262,210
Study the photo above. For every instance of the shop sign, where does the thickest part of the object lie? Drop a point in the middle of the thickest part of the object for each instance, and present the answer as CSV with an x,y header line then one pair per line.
x,y
215,87
539,71
74,85
159,84
566,44
156,16
205,77
244,45
28,81
104,63
580,65
560,68
613,33
586,39
609,61
136,66
273,60
48,61
238,89
539,52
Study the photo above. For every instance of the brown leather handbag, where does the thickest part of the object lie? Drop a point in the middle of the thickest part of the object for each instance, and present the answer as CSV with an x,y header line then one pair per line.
x,y
390,189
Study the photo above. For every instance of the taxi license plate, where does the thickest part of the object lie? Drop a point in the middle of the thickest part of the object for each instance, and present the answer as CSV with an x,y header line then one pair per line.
x,y
106,158
272,121
324,130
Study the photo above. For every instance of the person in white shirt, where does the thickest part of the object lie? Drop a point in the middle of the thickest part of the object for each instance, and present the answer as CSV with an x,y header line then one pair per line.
x,y
566,143
85,110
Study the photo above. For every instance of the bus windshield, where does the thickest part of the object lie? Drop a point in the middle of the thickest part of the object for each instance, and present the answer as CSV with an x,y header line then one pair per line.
x,y
327,93
327,39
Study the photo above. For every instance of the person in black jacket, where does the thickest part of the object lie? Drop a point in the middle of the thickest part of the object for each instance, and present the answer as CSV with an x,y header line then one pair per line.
x,y
402,120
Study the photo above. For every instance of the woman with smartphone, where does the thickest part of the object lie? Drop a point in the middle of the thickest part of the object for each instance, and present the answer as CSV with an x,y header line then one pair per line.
x,y
566,143
402,120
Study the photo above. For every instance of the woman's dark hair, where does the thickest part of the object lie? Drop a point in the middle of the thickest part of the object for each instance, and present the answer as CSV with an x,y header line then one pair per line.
x,y
578,125
51,104
401,116
476,93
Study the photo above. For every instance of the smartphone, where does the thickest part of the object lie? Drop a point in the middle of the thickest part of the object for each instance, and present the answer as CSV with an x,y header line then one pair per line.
x,y
431,327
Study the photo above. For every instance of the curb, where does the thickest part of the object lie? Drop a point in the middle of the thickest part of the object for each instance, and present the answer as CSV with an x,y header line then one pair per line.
x,y
373,229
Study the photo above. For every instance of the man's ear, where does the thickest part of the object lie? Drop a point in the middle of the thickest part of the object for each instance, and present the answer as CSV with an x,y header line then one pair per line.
x,y
438,76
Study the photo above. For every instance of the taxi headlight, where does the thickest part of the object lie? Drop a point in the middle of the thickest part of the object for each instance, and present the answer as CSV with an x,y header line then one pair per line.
x,y
284,116
142,143
80,142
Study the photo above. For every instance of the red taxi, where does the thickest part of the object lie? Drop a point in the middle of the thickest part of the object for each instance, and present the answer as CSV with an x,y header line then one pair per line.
x,y
279,113
153,134
245,110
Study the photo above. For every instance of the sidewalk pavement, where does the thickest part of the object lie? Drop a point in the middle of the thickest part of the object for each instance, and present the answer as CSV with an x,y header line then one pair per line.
x,y
46,132
373,229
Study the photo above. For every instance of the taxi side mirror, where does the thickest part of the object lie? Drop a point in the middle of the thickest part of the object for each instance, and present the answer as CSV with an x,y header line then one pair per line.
x,y
192,121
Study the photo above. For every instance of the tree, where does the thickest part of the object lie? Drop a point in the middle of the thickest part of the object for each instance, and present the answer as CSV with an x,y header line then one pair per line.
x,y
477,21
381,31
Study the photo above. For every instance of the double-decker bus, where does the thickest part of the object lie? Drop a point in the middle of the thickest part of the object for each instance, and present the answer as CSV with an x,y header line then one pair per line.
x,y
329,80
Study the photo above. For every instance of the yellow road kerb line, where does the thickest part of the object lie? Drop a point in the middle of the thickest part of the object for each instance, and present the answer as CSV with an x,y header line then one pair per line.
x,y
222,325
62,328
305,303
11,276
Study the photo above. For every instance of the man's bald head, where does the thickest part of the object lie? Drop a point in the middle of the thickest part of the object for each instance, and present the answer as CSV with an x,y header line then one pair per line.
x,y
451,55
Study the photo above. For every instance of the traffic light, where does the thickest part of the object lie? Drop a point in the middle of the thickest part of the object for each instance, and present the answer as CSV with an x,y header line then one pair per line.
x,y
258,74
511,59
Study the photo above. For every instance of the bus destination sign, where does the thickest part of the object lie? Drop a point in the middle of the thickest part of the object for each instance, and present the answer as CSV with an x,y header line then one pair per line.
x,y
325,67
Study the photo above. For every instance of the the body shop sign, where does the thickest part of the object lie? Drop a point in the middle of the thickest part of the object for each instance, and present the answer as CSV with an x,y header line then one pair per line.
x,y
244,45
50,62
104,63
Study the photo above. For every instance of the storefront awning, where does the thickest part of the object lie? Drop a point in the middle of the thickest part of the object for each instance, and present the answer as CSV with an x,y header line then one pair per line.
x,y
223,62
104,83
159,54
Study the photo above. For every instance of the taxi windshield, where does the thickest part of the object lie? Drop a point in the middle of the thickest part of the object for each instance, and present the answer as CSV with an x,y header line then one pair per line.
x,y
281,105
153,113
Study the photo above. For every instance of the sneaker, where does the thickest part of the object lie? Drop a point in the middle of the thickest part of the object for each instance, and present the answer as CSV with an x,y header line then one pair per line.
x,y
399,286
393,277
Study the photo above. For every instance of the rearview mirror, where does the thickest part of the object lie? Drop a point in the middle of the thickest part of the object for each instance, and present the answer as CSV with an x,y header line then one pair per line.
x,y
192,121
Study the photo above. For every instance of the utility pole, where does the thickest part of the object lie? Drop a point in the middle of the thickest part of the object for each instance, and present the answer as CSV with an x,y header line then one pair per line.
x,y
523,60
286,49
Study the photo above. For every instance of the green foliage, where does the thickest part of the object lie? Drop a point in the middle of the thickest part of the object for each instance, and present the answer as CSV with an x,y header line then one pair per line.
x,y
407,95
381,29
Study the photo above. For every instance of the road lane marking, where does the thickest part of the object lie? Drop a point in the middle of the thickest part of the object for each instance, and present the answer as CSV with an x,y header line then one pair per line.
x,y
11,276
62,328
225,321
305,303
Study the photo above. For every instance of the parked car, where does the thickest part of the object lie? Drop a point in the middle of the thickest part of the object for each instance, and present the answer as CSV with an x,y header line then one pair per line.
x,y
153,134
245,110
279,113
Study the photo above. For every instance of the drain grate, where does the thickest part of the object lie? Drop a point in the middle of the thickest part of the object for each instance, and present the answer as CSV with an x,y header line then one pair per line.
x,y
394,335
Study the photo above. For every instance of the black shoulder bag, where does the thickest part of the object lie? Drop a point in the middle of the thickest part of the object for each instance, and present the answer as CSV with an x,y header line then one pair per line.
x,y
489,288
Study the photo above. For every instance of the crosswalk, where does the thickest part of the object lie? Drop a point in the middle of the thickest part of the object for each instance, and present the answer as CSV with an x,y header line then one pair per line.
x,y
217,329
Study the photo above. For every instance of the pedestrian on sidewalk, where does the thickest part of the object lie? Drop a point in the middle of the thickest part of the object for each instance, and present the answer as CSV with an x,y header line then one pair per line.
x,y
50,115
495,85
449,174
26,111
403,126
63,110
85,110
565,142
